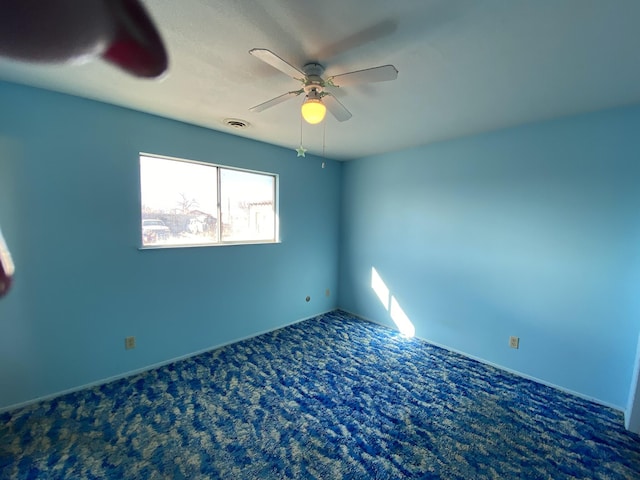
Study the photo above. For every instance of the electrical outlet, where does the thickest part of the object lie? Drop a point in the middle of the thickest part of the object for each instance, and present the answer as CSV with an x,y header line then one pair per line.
x,y
327,292
129,343
514,342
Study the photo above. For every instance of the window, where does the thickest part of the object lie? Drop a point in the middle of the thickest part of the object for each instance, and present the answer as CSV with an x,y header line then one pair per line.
x,y
187,203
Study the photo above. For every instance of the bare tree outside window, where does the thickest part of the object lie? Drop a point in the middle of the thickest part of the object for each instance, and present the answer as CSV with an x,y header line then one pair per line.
x,y
185,204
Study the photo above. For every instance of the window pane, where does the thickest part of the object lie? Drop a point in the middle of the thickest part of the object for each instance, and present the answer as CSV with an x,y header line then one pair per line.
x,y
178,202
247,206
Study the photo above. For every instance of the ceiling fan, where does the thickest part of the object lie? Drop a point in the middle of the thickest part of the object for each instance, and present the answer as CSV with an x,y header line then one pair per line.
x,y
318,98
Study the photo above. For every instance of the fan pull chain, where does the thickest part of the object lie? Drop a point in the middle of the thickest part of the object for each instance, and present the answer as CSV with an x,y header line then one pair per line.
x,y
324,142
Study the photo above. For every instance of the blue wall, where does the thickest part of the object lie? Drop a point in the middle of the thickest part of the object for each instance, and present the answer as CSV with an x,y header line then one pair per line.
x,y
532,231
69,209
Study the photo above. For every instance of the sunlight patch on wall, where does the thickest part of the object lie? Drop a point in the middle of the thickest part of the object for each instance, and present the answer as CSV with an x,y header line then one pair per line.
x,y
380,288
400,319
392,306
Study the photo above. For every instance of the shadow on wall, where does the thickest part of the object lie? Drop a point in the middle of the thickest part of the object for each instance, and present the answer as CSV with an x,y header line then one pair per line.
x,y
392,306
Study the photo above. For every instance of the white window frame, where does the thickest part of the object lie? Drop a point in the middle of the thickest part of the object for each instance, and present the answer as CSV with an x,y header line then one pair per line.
x,y
220,241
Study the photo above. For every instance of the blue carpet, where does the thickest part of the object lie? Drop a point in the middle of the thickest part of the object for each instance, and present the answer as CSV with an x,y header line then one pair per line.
x,y
329,398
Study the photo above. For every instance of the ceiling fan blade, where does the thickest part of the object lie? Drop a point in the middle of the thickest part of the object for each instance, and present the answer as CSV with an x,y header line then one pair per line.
x,y
368,35
336,108
275,101
267,56
368,75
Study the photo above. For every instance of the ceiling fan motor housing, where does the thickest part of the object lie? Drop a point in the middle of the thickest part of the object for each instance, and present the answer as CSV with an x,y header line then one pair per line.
x,y
313,70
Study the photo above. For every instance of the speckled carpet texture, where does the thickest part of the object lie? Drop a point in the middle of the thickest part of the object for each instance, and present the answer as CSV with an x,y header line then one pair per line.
x,y
333,398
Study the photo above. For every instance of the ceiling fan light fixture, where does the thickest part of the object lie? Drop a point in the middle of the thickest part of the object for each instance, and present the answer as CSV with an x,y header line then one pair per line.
x,y
313,110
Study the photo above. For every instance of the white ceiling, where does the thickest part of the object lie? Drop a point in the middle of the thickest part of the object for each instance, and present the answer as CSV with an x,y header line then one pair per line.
x,y
465,66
